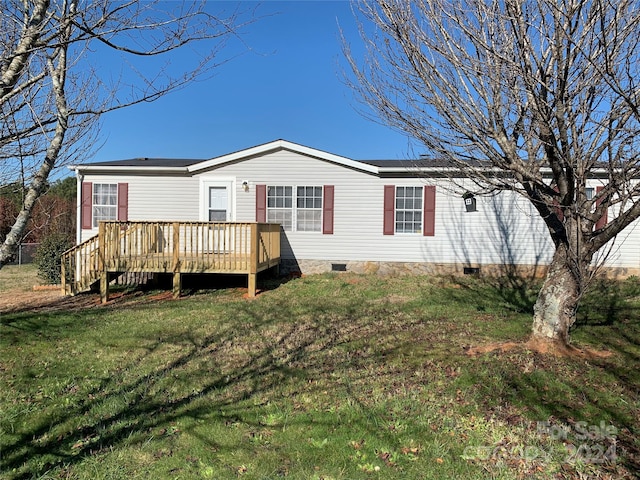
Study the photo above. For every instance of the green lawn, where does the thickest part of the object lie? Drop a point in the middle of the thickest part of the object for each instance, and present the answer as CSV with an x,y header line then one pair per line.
x,y
19,278
323,377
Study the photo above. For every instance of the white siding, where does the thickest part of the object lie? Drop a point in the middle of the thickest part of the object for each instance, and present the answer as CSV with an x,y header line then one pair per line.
x,y
155,197
624,250
505,229
460,237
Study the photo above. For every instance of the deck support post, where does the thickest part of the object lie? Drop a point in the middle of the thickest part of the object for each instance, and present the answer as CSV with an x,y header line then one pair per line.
x,y
104,286
177,278
252,284
63,275
253,261
102,263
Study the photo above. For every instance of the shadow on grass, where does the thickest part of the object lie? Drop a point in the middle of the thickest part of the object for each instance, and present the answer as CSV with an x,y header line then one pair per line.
x,y
609,301
300,339
565,392
283,354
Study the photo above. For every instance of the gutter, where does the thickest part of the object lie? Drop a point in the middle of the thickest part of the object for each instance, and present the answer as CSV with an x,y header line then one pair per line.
x,y
106,169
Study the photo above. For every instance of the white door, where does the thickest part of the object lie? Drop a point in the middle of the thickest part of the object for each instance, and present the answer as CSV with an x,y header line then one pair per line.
x,y
217,199
217,206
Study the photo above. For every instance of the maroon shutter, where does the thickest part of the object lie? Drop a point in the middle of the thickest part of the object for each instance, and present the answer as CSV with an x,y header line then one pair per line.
x,y
327,210
389,209
123,202
603,219
429,211
86,205
261,203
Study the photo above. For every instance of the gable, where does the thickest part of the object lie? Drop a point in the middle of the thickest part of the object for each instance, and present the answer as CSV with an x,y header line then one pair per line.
x,y
281,146
282,165
186,167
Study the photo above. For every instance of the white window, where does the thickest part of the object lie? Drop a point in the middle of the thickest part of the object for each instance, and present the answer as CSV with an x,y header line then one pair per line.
x,y
589,191
309,209
295,209
105,202
409,209
280,206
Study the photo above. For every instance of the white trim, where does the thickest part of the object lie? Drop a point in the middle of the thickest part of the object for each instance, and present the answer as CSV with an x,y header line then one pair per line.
x,y
79,178
282,145
230,184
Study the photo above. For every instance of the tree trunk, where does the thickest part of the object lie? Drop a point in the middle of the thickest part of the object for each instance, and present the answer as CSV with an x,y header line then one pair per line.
x,y
58,75
555,310
9,248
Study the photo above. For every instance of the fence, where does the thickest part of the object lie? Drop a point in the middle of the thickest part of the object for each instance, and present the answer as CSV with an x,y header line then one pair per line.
x,y
25,254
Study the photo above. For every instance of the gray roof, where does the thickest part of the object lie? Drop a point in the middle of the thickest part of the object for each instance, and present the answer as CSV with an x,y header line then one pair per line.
x,y
147,162
386,167
186,162
419,163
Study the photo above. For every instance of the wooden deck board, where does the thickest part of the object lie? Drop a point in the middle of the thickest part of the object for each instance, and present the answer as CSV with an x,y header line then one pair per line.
x,y
158,263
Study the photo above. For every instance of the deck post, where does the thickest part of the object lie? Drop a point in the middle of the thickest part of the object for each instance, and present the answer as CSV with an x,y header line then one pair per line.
x,y
253,261
63,275
102,263
177,279
274,233
104,287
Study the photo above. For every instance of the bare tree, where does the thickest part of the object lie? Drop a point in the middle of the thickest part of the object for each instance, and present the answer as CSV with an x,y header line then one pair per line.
x,y
531,96
53,89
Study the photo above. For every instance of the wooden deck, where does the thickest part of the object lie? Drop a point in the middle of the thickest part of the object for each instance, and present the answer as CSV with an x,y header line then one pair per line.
x,y
171,247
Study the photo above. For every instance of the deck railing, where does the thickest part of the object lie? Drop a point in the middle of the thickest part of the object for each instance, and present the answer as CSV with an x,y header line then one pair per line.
x,y
174,247
80,267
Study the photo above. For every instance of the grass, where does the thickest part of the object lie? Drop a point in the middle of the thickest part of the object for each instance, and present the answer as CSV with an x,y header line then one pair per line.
x,y
20,278
324,377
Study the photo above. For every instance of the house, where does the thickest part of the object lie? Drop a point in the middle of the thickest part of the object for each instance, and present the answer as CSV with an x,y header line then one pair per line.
x,y
335,213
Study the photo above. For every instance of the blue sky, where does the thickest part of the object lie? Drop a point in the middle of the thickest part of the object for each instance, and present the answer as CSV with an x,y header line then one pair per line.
x,y
287,85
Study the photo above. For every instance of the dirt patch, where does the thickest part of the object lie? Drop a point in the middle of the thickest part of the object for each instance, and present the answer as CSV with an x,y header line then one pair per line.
x,y
43,301
542,347
13,299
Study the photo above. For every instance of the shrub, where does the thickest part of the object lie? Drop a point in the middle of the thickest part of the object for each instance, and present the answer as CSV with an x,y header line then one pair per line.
x,y
49,255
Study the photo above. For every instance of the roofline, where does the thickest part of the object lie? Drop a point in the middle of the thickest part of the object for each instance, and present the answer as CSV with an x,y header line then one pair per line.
x,y
404,167
106,168
409,170
283,145
487,169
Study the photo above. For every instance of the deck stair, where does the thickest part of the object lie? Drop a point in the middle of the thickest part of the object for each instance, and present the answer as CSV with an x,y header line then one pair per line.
x,y
80,267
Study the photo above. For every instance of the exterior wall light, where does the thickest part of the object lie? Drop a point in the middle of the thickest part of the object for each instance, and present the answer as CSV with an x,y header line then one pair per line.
x,y
469,202
245,185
